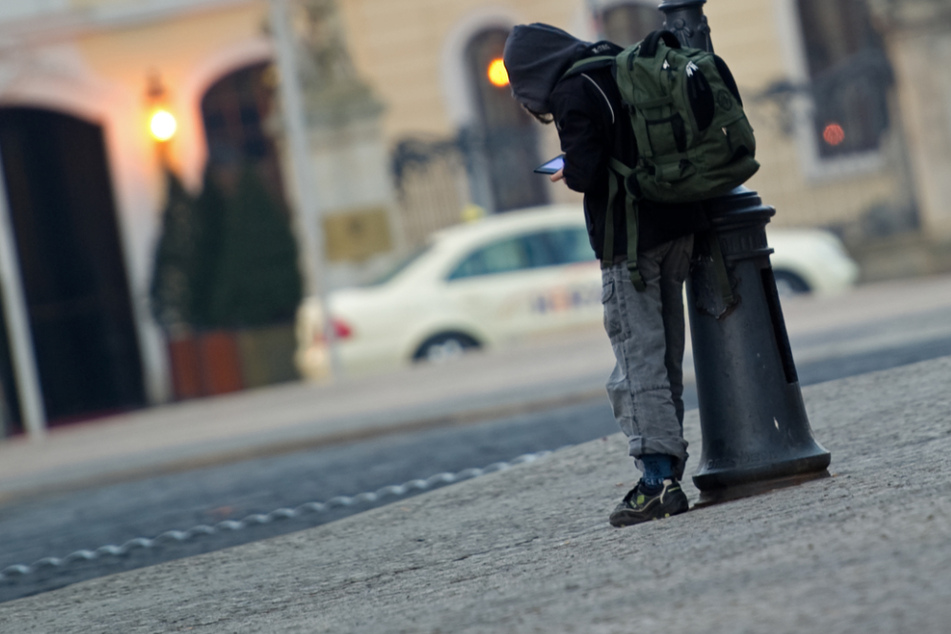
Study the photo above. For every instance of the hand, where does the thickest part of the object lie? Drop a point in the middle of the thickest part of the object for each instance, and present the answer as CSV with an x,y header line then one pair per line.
x,y
557,176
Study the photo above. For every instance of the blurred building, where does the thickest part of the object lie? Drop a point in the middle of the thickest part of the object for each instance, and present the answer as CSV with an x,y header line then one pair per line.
x,y
406,130
917,36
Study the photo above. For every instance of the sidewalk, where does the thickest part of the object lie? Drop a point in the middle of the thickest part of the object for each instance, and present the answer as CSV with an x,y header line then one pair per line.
x,y
530,550
539,374
545,373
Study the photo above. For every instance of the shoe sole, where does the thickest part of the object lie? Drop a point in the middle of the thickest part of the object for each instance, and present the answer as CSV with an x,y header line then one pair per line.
x,y
631,517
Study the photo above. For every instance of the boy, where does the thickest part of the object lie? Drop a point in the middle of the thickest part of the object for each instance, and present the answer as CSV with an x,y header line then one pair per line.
x,y
646,328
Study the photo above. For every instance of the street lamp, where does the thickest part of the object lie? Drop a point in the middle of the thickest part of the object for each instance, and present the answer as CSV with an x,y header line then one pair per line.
x,y
497,74
162,123
756,434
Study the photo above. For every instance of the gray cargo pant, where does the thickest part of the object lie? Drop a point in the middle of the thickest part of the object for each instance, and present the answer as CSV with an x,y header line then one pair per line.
x,y
647,333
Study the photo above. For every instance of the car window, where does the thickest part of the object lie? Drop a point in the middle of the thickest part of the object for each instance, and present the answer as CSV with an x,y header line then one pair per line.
x,y
570,245
499,257
534,250
505,256
539,250
400,266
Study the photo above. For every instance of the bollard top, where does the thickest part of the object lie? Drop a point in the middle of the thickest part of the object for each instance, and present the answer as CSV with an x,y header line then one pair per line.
x,y
671,5
740,206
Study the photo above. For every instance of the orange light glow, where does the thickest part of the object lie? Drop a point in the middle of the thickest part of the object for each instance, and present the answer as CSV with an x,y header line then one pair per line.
x,y
163,125
498,76
833,134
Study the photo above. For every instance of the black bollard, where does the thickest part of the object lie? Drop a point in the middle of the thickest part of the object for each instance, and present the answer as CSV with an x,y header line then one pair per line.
x,y
756,434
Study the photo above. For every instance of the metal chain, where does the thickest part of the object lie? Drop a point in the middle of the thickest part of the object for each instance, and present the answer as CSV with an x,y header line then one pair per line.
x,y
173,536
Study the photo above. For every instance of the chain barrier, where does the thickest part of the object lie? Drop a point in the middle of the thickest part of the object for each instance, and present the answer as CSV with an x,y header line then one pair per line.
x,y
257,519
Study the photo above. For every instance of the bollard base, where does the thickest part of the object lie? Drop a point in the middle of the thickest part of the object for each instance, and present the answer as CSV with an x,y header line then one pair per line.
x,y
719,496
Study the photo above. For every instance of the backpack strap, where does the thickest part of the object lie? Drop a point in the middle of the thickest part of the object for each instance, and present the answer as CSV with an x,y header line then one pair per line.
x,y
617,183
719,269
585,63
621,173
648,47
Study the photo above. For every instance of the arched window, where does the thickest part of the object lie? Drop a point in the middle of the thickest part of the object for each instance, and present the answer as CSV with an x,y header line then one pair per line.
x,y
628,23
503,145
235,111
849,76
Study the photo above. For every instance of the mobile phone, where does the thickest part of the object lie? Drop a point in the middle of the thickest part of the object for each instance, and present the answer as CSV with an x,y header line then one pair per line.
x,y
551,166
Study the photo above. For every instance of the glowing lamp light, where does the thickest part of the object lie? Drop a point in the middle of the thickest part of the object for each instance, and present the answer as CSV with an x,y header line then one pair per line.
x,y
163,125
833,134
498,76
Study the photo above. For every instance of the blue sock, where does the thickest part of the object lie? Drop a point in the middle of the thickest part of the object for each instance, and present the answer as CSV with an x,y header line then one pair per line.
x,y
657,468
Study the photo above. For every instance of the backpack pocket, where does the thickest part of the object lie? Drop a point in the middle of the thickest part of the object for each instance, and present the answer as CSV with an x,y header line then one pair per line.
x,y
726,141
664,128
699,98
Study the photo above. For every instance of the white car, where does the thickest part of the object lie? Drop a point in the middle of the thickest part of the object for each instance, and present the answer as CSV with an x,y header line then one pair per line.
x,y
503,278
810,261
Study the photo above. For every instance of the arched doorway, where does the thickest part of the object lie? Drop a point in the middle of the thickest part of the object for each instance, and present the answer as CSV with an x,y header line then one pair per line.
x,y
72,266
243,279
234,112
503,144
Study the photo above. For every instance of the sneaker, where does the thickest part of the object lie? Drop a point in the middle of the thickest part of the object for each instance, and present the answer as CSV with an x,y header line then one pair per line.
x,y
638,506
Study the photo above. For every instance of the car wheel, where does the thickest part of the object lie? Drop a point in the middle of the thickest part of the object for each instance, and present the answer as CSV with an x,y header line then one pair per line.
x,y
444,347
789,284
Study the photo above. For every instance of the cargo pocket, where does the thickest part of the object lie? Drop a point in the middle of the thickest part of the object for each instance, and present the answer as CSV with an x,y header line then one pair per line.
x,y
685,245
612,316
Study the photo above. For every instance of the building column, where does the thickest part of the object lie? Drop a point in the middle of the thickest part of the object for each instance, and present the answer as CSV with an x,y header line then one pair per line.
x,y
18,324
918,37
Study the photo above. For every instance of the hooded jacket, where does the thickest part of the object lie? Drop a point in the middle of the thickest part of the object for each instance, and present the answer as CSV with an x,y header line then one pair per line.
x,y
536,56
593,126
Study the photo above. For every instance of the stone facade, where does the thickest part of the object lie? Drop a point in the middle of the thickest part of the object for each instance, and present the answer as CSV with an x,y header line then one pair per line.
x,y
385,74
918,35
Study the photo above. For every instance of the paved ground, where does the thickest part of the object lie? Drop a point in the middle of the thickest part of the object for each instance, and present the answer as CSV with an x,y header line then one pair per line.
x,y
529,549
545,373
299,415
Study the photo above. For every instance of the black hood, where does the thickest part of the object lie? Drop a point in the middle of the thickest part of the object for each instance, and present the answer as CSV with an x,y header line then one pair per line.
x,y
536,56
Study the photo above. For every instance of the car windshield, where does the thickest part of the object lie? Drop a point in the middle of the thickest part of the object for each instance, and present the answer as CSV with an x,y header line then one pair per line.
x,y
552,247
398,268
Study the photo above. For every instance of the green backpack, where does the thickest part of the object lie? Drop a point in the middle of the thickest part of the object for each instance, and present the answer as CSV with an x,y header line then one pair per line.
x,y
693,138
